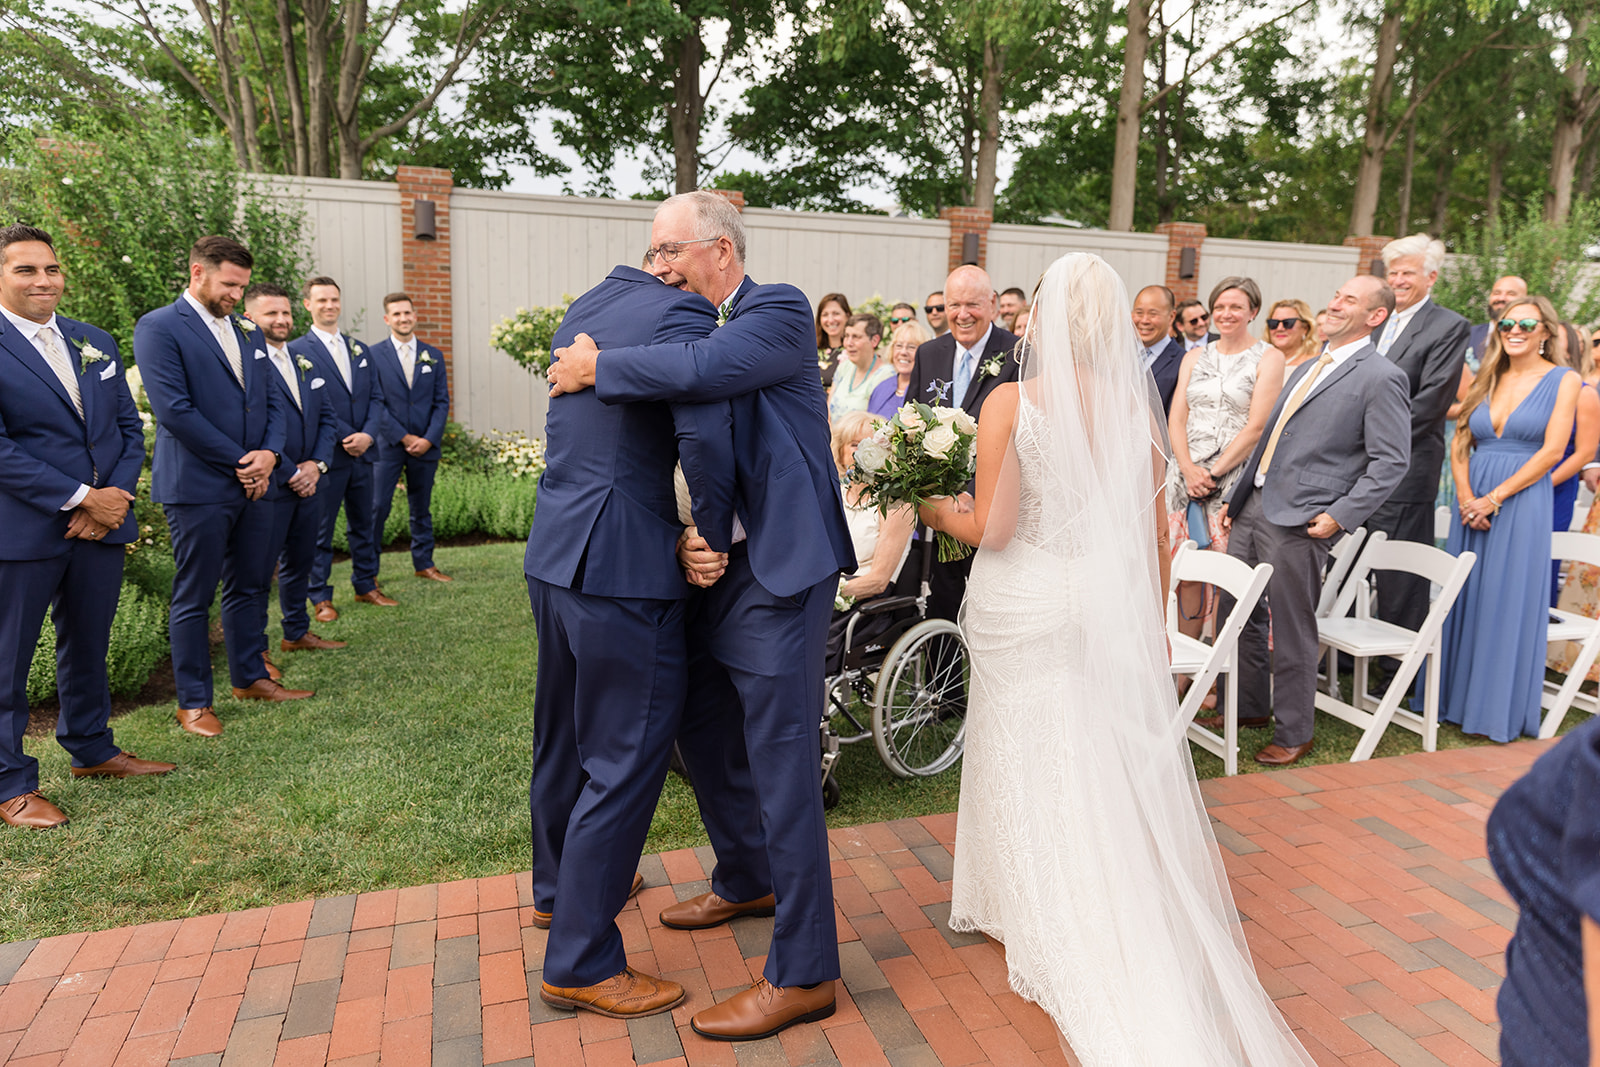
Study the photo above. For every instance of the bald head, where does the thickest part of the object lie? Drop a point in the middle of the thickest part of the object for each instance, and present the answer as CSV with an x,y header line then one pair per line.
x,y
969,303
1505,290
1361,305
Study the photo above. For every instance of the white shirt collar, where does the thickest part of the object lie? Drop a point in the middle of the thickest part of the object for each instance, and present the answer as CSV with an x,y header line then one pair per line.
x,y
977,347
277,352
1401,318
1343,352
330,339
29,328
205,312
400,346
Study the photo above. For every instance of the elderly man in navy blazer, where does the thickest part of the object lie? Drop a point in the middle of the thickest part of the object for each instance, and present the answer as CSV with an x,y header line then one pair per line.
x,y
70,452
1154,309
757,637
307,451
416,403
358,418
219,433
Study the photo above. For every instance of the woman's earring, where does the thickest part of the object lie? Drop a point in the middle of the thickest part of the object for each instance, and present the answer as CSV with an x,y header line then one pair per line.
x,y
1542,345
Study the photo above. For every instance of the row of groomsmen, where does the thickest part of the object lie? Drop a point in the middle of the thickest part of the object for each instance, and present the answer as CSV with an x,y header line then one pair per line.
x,y
259,441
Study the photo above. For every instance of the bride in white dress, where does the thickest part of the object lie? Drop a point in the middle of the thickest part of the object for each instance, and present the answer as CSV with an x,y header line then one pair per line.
x,y
1081,841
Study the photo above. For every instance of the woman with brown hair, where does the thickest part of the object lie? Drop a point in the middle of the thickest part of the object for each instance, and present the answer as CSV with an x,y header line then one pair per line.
x,y
833,311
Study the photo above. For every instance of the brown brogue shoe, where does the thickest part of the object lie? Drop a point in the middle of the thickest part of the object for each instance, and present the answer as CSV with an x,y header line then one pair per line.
x,y
628,995
272,668
200,721
1276,755
267,689
376,596
1214,722
123,765
325,611
32,811
763,1010
309,640
434,574
708,910
541,919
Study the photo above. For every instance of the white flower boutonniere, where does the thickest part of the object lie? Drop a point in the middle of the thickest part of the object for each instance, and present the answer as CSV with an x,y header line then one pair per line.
x,y
426,359
991,368
304,364
89,353
356,349
245,325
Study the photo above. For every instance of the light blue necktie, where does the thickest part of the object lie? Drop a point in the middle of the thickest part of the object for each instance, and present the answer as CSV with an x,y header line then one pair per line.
x,y
963,378
1390,330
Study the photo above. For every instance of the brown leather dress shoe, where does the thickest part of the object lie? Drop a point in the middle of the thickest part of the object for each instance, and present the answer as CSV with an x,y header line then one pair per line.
x,y
376,596
628,995
325,611
309,640
708,910
32,811
1276,755
272,668
1214,722
434,574
201,721
764,1010
267,689
541,919
123,765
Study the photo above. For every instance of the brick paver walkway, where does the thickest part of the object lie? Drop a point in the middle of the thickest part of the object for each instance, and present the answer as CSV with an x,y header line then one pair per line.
x,y
1375,920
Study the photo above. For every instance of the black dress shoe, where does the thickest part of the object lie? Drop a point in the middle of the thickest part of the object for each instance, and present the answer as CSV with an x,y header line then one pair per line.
x,y
1214,722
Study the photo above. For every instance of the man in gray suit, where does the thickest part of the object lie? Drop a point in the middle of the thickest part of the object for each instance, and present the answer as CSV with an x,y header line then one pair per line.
x,y
1339,442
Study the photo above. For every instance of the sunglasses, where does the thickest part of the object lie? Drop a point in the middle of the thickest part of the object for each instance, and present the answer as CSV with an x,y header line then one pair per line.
x,y
1283,324
1202,317
1595,343
903,318
1526,325
930,309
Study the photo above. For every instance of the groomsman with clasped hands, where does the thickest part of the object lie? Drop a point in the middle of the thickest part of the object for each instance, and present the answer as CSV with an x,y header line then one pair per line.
x,y
71,448
219,436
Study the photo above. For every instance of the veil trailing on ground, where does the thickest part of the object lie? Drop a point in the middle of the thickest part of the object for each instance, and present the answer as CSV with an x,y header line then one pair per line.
x,y
1106,887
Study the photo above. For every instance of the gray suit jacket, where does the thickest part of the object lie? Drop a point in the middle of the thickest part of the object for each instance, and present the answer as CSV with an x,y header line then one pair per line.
x,y
1343,452
1430,353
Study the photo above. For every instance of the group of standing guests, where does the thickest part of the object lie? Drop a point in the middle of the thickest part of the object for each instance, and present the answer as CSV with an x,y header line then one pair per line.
x,y
260,441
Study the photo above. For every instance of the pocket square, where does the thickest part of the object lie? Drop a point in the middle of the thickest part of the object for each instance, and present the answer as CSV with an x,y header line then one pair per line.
x,y
260,354
317,383
109,372
363,363
426,369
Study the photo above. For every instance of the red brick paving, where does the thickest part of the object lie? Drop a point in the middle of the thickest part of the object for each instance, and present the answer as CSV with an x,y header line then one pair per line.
x,y
1375,922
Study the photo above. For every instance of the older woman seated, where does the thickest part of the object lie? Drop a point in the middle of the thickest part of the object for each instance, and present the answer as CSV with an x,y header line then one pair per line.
x,y
881,542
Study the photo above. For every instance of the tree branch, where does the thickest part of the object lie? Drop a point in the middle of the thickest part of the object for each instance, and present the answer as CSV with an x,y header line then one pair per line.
x,y
148,25
1219,53
446,78
1418,98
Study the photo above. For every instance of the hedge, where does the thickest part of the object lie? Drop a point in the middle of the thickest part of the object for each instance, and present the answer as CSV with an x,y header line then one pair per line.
x,y
138,642
465,502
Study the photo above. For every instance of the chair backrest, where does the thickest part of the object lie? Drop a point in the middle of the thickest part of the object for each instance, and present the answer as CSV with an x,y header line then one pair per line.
x,y
1184,547
1342,557
1578,547
1447,572
1214,568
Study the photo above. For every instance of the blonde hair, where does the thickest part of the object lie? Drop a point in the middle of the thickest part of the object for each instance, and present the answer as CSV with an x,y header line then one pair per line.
x,y
1494,365
849,428
1308,344
914,329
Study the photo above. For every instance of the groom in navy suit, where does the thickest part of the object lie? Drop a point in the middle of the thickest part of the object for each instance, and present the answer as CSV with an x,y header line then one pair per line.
x,y
609,601
70,452
219,434
757,636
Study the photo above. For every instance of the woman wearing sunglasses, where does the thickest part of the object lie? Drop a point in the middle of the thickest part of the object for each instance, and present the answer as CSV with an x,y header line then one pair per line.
x,y
1514,424
1289,331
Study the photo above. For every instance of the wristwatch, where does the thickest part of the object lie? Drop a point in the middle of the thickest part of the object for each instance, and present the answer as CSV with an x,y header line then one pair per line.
x,y
322,468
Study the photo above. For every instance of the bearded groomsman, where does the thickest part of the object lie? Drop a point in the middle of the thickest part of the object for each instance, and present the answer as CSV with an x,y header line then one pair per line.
x,y
357,404
219,433
416,402
307,451
70,452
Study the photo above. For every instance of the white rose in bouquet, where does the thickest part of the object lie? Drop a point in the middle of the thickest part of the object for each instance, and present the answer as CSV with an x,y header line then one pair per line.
x,y
871,455
911,420
964,423
938,441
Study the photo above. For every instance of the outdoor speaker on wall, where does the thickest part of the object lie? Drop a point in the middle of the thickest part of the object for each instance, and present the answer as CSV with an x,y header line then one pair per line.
x,y
1376,267
1186,263
969,249
423,221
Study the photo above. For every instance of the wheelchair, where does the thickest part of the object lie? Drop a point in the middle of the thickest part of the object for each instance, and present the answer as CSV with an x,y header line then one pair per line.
x,y
902,683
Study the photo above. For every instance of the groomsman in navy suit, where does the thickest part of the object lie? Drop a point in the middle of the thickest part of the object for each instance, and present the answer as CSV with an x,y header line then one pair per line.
x,y
416,402
70,452
219,433
357,404
757,636
307,451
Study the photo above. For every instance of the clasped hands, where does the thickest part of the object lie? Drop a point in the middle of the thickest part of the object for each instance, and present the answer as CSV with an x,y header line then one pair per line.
x,y
254,470
1477,511
98,513
572,368
933,510
702,565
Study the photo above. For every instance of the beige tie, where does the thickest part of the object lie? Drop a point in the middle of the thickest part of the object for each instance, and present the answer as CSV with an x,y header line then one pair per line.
x,y
341,359
290,376
680,489
230,347
408,363
1301,392
62,365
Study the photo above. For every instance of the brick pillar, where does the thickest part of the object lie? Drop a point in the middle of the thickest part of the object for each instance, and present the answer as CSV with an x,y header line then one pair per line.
x,y
426,264
965,220
732,196
1181,235
1369,248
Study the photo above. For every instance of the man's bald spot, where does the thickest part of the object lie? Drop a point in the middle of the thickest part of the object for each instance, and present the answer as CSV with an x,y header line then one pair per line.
x,y
969,280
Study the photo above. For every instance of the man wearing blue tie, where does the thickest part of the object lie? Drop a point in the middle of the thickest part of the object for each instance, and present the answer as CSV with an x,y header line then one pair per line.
x,y
70,452
219,431
416,402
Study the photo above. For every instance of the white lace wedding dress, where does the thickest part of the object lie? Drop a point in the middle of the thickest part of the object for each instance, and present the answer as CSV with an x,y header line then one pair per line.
x,y
1081,840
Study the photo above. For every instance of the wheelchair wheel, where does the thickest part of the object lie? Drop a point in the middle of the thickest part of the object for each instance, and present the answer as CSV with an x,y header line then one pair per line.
x,y
920,708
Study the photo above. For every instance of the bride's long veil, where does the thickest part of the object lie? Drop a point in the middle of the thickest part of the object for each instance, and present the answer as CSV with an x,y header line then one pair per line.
x,y
1175,981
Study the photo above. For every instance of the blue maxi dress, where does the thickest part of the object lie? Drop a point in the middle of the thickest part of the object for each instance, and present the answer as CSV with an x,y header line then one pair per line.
x,y
1492,668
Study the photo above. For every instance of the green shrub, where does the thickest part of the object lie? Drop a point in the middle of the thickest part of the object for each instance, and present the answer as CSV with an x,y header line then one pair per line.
x,y
465,502
138,641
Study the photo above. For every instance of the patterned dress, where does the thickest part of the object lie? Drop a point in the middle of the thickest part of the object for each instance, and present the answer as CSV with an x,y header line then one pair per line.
x,y
1220,388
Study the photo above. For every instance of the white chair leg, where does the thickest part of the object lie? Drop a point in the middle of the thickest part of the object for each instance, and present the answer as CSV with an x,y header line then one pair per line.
x,y
1230,725
1430,703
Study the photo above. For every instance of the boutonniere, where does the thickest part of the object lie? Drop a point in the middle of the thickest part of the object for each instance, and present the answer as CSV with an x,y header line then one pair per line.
x,y
991,367
89,353
356,349
304,364
425,358
245,325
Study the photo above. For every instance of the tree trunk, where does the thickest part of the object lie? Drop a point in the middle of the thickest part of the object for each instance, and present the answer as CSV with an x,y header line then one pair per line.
x,y
1573,111
347,104
249,113
291,78
687,111
986,171
1163,127
1130,102
1497,184
1441,193
218,30
1403,225
1586,169
1369,177
317,14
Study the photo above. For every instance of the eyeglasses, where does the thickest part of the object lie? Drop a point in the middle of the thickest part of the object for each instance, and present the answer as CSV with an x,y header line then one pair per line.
x,y
903,318
669,253
930,309
1526,325
1283,324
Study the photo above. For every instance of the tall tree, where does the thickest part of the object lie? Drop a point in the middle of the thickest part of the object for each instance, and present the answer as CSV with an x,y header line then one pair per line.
x,y
1577,106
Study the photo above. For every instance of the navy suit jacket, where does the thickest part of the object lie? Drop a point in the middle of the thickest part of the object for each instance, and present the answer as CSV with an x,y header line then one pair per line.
x,y
47,451
1429,352
420,408
763,362
936,362
307,428
1165,371
606,499
204,421
358,409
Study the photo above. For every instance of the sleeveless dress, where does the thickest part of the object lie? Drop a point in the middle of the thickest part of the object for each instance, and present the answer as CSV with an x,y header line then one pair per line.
x,y
1492,667
1112,906
1220,388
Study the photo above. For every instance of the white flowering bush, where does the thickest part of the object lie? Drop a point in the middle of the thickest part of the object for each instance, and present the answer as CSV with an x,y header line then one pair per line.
x,y
921,453
516,453
526,335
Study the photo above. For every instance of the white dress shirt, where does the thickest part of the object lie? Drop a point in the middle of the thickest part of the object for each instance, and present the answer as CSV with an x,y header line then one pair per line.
x,y
407,351
1147,356
30,330
958,384
1396,325
222,331
287,370
334,343
1335,357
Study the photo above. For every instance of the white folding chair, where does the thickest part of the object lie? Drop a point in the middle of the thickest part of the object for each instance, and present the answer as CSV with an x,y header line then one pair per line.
x,y
1442,521
1341,558
1204,662
1579,548
1364,638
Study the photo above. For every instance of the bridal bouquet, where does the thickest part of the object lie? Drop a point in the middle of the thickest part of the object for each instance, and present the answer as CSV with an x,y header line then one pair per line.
x,y
922,452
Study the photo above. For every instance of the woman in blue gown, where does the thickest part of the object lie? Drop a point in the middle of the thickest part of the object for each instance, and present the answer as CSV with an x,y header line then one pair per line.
x,y
1514,425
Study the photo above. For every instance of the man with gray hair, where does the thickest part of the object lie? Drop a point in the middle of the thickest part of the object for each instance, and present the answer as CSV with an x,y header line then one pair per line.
x,y
1428,343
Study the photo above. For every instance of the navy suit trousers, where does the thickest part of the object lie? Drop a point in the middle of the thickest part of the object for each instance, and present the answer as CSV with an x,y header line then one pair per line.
x,y
351,486
750,740
297,520
608,697
392,461
232,543
81,587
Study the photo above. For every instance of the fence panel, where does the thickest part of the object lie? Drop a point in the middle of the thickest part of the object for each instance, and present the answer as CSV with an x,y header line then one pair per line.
x,y
354,230
1019,255
1312,273
860,256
